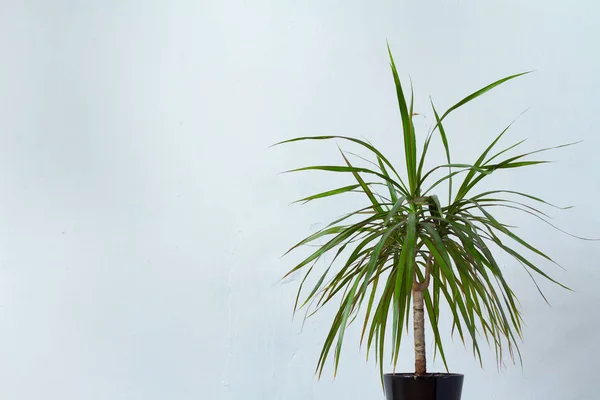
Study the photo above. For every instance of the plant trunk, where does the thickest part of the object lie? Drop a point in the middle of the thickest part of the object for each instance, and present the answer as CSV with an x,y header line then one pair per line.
x,y
418,293
419,332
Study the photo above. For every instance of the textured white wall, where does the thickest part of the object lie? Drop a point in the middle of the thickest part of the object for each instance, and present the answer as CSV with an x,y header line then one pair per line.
x,y
142,220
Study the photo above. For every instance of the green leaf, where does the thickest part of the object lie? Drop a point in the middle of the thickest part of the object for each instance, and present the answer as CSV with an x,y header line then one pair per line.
x,y
433,314
480,195
392,190
478,163
446,148
328,193
394,210
402,289
364,186
410,142
338,168
481,91
354,140
337,240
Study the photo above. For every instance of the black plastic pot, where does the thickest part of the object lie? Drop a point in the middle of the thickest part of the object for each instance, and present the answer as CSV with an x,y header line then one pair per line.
x,y
428,387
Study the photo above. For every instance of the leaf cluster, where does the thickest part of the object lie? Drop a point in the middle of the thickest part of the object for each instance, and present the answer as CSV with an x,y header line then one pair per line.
x,y
382,248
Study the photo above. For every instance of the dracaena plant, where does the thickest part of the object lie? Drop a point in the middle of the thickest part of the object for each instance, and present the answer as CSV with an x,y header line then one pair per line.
x,y
408,248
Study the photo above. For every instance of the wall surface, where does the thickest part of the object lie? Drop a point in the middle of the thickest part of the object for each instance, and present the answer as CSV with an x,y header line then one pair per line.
x,y
142,218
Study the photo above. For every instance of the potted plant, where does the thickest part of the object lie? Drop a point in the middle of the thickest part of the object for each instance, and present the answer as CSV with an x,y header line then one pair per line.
x,y
408,249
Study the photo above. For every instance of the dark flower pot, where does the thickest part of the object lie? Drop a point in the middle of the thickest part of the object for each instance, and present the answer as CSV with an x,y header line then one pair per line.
x,y
428,387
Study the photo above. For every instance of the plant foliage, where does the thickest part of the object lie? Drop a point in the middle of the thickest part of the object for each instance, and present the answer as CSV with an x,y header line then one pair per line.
x,y
383,247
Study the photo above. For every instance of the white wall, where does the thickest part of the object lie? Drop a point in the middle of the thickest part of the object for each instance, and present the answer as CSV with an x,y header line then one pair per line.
x,y
142,217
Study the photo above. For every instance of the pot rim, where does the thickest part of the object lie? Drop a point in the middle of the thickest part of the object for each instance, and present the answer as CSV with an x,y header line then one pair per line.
x,y
429,375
